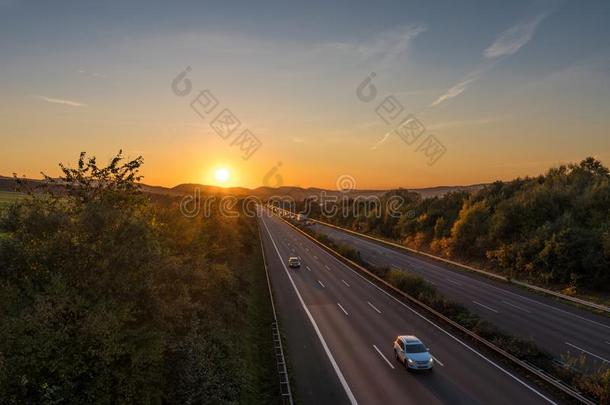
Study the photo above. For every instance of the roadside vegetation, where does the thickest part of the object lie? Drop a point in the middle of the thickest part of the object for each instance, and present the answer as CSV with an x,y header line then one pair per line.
x,y
594,384
9,197
551,230
111,296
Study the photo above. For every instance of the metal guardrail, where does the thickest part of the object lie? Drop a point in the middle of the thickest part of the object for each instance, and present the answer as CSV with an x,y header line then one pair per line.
x,y
471,268
524,365
278,349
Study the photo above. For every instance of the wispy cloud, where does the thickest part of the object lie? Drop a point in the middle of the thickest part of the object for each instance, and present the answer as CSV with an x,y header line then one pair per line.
x,y
385,48
456,90
514,38
507,43
385,137
60,101
92,74
391,44
460,123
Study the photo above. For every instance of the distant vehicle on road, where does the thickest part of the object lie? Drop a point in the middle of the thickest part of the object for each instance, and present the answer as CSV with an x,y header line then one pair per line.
x,y
410,351
301,217
294,261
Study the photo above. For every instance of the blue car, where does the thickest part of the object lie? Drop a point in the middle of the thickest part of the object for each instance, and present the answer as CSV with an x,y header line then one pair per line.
x,y
410,351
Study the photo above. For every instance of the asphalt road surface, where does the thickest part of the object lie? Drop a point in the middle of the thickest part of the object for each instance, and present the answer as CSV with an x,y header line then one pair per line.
x,y
340,330
554,325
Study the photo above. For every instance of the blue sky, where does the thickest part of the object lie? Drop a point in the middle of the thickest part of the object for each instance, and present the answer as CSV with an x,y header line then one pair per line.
x,y
509,88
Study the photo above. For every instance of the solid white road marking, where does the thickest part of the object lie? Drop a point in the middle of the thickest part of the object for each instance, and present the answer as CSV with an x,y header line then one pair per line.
x,y
373,306
515,306
342,309
485,306
345,282
322,284
348,391
307,267
588,352
383,357
438,361
453,281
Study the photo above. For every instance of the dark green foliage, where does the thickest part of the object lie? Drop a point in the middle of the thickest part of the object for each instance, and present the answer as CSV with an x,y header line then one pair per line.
x,y
106,298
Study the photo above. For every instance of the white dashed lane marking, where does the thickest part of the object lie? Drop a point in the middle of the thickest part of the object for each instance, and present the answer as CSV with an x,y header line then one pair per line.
x,y
374,307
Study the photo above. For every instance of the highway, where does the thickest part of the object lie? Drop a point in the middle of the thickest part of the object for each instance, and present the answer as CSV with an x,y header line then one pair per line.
x,y
553,324
340,327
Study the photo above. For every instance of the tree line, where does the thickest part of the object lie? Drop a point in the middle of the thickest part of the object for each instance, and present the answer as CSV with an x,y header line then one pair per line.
x,y
553,229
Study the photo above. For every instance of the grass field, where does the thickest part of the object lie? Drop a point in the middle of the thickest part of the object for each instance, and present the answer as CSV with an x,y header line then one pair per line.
x,y
7,197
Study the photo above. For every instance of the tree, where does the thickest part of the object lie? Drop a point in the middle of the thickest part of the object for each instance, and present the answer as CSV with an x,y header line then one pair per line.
x,y
469,232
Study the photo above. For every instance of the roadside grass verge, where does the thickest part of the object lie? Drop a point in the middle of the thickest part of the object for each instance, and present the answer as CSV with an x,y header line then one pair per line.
x,y
10,196
262,382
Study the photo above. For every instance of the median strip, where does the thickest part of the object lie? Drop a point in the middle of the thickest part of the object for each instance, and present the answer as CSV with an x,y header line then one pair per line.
x,y
467,267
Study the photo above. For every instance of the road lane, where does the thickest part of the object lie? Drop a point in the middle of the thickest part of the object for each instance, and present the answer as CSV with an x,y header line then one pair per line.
x,y
546,320
465,377
314,380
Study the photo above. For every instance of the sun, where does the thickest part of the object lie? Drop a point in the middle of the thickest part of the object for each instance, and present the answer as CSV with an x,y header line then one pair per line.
x,y
222,175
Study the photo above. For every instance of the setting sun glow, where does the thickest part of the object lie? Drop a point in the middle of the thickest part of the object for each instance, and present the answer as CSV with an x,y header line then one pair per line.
x,y
222,175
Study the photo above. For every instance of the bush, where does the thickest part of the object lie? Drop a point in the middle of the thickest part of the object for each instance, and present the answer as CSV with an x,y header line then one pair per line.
x,y
108,298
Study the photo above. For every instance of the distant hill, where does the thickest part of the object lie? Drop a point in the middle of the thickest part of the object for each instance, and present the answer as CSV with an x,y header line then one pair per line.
x,y
439,191
297,193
